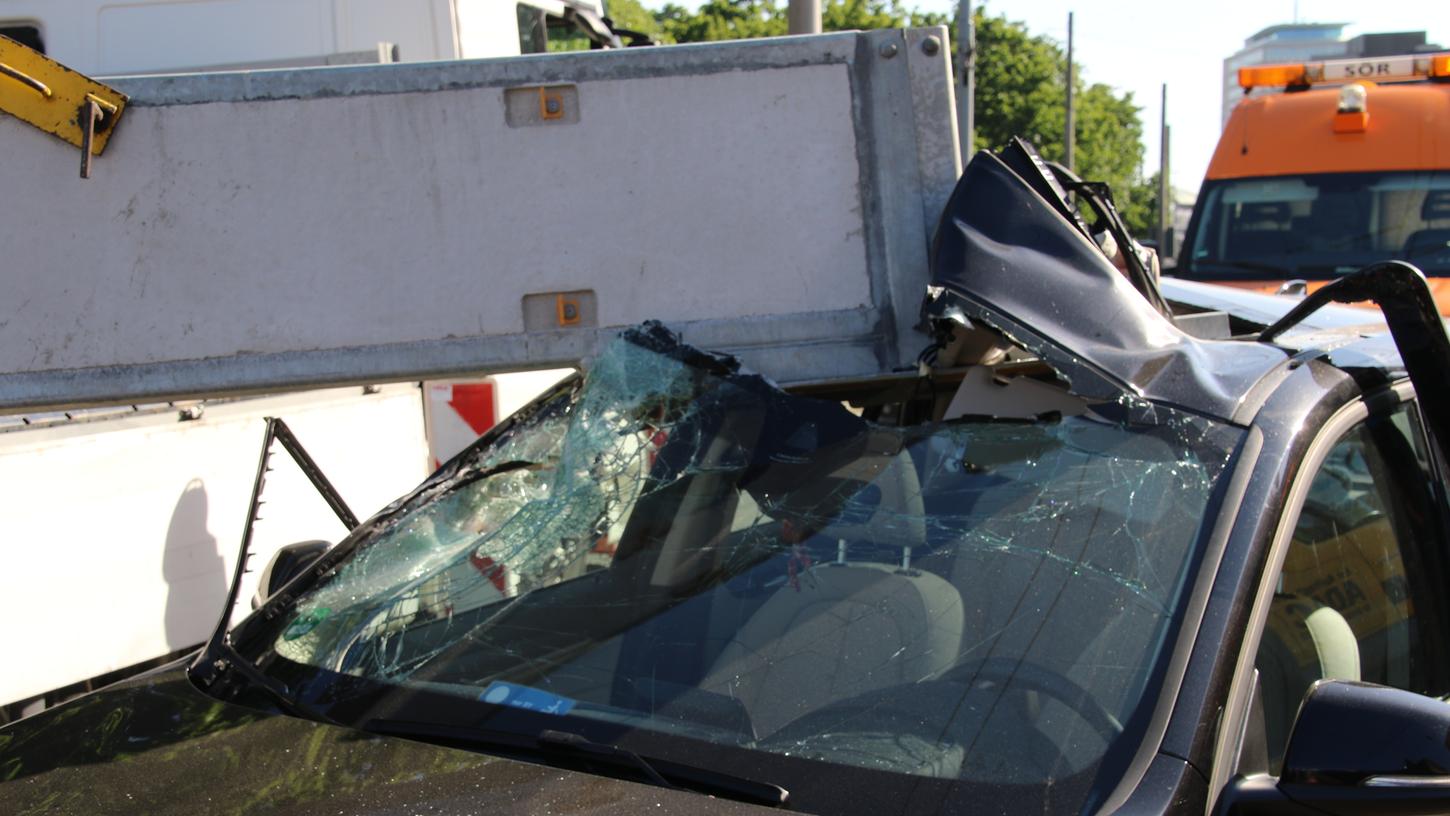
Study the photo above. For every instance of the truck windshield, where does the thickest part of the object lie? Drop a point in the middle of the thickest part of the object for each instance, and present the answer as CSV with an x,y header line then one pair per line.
x,y
681,559
1319,226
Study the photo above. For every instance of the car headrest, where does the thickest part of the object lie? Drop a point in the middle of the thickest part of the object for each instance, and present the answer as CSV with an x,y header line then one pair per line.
x,y
1265,211
1437,205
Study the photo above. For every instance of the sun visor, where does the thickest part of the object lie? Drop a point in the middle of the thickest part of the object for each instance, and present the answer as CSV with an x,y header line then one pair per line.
x,y
1003,257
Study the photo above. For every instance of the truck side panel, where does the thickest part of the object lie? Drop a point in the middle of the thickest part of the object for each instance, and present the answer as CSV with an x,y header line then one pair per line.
x,y
291,229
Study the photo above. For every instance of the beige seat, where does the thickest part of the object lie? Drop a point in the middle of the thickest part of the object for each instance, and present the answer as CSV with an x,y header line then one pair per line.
x,y
1303,641
899,518
846,629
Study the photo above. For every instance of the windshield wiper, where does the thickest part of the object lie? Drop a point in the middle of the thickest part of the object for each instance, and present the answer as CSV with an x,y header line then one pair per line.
x,y
220,665
566,741
567,748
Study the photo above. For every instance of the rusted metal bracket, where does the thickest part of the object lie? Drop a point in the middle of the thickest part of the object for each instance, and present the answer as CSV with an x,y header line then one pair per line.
x,y
68,105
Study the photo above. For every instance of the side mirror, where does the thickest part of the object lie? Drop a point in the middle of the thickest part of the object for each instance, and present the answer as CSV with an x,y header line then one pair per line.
x,y
286,564
1357,749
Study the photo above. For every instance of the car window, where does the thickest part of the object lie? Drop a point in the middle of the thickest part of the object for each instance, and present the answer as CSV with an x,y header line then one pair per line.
x,y
1359,594
1321,225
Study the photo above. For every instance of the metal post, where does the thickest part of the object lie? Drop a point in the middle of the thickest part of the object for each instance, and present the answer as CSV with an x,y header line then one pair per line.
x,y
1071,135
1165,188
1170,247
804,16
967,65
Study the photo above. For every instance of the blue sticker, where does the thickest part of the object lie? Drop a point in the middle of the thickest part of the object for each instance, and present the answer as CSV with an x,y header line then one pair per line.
x,y
306,622
529,699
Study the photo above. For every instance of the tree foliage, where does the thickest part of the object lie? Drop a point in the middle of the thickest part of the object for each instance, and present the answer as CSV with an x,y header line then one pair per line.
x,y
1021,83
1139,206
722,20
1022,91
739,19
631,14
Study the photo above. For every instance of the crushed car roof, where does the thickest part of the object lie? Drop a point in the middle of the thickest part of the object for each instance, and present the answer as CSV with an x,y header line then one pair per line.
x,y
1005,258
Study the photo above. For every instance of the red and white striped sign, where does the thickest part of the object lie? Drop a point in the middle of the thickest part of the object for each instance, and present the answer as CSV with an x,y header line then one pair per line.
x,y
458,413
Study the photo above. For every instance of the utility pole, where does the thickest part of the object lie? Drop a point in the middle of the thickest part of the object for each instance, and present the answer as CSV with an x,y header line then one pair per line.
x,y
1071,135
1165,188
967,69
804,17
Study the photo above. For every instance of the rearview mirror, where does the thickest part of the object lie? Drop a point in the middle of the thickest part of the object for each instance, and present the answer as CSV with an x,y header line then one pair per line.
x,y
1357,749
286,564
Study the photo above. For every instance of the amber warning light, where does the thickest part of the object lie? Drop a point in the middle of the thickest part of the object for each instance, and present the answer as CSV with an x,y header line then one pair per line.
x,y
1403,68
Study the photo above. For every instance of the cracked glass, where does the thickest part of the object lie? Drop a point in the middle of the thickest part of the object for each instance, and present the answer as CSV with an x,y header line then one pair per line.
x,y
669,552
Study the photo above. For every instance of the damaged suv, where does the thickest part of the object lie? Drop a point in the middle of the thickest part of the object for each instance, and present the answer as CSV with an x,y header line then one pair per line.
x,y
1109,548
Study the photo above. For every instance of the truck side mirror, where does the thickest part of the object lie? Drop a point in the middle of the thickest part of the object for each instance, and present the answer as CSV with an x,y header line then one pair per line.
x,y
1357,749
286,564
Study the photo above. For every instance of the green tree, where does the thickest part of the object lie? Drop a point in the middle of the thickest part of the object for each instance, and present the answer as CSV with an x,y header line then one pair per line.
x,y
738,19
1022,91
1139,206
849,15
1110,148
1021,85
852,15
632,15
722,20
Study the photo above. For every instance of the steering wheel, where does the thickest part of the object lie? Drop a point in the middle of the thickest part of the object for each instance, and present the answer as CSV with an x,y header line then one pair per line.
x,y
910,703
902,726
1035,677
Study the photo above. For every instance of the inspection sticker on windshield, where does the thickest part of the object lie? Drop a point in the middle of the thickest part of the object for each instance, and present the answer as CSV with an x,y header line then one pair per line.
x,y
306,622
529,699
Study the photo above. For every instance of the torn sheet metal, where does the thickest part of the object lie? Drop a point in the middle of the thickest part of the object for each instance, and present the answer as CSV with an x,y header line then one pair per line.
x,y
1003,257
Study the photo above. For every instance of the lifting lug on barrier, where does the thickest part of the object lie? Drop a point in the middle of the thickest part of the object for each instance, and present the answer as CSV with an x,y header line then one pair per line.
x,y
75,108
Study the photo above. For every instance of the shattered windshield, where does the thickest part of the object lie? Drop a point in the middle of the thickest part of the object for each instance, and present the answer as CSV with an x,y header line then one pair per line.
x,y
683,559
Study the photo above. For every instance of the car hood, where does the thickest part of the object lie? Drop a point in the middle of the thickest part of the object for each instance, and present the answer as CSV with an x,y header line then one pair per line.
x,y
157,745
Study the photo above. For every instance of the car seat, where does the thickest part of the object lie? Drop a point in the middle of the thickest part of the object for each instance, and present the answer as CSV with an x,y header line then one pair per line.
x,y
1338,222
1260,230
1303,641
1433,242
841,631
845,628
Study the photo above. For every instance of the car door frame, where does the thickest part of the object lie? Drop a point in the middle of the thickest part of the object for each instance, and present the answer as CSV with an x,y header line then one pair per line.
x,y
1237,709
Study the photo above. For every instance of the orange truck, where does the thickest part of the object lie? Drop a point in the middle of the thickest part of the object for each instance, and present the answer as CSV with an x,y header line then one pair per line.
x,y
1349,166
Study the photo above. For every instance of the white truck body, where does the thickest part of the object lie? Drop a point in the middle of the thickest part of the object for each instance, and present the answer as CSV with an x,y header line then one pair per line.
x,y
107,38
266,231
121,531
289,229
